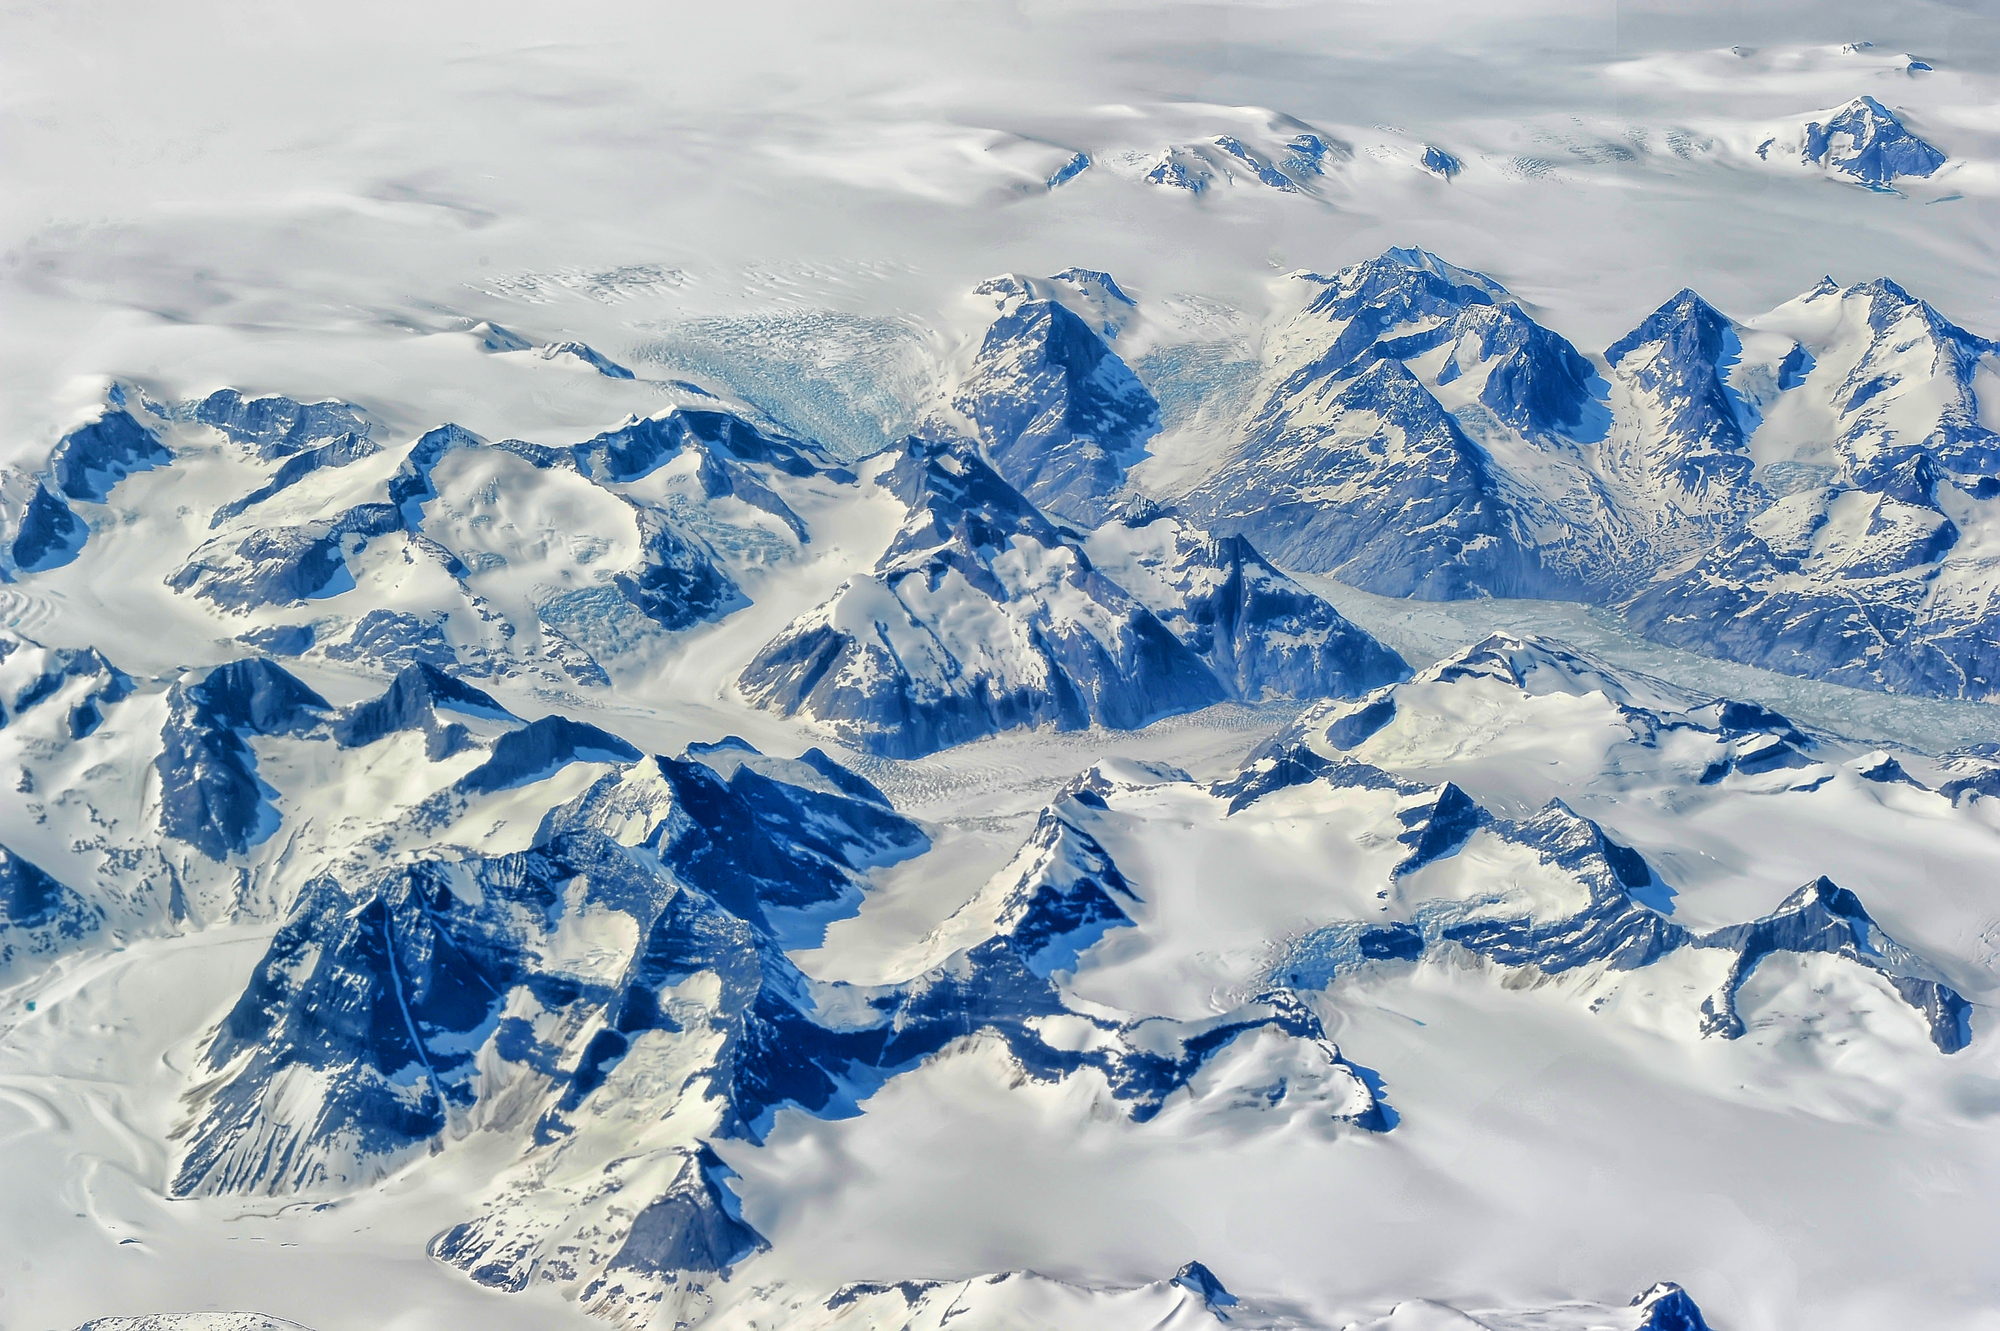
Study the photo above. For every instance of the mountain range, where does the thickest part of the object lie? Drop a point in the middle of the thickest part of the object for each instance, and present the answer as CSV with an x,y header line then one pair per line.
x,y
453,753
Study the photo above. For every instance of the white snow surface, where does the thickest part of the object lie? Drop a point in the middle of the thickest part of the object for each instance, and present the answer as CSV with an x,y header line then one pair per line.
x,y
779,209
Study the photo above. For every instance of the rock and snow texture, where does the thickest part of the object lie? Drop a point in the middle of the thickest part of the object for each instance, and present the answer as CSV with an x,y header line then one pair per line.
x,y
409,445
324,535
1262,634
1553,891
38,914
1192,1299
1689,451
984,616
1062,417
1865,142
210,796
624,971
1807,491
1864,567
1282,154
1415,431
1003,1301
609,1017
211,1321
39,528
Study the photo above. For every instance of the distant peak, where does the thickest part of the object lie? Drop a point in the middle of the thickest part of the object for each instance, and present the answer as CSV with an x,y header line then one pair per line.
x,y
492,337
1864,141
727,744
1202,1281
1091,280
1883,286
1439,162
1683,314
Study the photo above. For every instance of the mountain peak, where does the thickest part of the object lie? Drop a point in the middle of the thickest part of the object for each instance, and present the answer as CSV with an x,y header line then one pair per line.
x,y
1060,414
1865,141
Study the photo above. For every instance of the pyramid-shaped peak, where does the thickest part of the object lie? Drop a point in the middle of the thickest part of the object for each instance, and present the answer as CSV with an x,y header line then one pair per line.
x,y
1667,1307
1684,317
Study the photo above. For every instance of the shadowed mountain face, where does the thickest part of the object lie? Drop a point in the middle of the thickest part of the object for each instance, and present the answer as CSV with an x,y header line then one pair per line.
x,y
1863,577
1867,143
984,616
1062,417
377,1015
981,616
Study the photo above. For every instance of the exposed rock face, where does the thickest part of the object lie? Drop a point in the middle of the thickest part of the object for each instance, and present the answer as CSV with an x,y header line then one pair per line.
x,y
278,426
981,616
1687,465
79,680
1062,417
210,796
37,913
280,566
1371,480
1263,634
49,534
342,451
1865,141
415,700
1598,921
1371,453
1859,581
1288,159
397,998
586,355
1823,917
1667,1307
678,583
91,459
539,748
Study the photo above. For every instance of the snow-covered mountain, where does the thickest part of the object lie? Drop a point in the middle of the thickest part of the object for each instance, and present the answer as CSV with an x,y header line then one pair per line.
x,y
1192,1298
983,616
1787,490
1863,141
624,970
1061,416
1263,634
1290,165
1866,566
1029,673
1416,433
